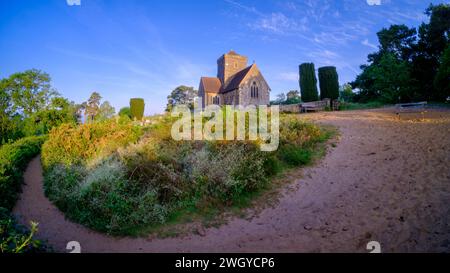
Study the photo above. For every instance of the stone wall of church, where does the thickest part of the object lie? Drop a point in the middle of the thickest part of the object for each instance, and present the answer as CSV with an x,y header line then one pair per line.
x,y
263,94
230,98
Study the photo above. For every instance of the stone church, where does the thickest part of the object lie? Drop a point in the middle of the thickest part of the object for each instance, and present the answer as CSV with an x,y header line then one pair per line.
x,y
236,83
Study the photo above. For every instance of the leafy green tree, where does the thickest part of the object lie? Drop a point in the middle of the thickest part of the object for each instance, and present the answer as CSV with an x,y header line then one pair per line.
x,y
137,107
26,100
433,40
328,82
389,81
398,40
106,111
308,82
58,112
30,91
6,126
293,97
125,112
346,93
92,107
182,95
442,79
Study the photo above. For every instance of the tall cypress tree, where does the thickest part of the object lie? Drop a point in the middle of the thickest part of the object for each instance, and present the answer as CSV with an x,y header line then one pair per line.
x,y
308,82
328,82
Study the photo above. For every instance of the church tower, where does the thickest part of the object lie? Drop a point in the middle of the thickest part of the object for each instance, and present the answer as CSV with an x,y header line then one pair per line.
x,y
229,64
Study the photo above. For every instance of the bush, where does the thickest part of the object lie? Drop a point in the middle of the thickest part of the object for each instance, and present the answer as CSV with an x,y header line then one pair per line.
x,y
70,144
295,156
225,171
15,238
133,186
137,107
13,161
103,198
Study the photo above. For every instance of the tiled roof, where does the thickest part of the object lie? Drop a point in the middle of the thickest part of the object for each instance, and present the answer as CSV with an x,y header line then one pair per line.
x,y
211,85
236,80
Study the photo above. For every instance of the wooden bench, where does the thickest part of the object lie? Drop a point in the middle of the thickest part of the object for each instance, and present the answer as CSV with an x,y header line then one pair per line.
x,y
314,106
414,107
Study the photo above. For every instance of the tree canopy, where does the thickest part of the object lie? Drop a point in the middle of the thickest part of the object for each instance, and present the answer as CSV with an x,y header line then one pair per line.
x,y
182,95
29,105
410,63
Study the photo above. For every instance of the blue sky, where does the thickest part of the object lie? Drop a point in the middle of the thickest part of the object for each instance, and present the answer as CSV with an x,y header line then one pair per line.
x,y
142,48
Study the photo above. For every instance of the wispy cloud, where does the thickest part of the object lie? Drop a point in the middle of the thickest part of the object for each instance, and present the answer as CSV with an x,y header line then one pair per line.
x,y
369,44
373,2
280,23
244,7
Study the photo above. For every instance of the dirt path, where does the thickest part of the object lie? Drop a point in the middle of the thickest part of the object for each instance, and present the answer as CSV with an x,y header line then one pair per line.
x,y
387,180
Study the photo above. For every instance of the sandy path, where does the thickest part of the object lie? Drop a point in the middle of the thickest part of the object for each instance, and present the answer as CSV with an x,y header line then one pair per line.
x,y
387,180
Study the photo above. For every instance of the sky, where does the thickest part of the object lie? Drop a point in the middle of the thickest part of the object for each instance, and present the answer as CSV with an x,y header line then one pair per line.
x,y
141,48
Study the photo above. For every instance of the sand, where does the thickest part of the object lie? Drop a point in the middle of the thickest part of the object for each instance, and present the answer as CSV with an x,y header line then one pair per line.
x,y
387,180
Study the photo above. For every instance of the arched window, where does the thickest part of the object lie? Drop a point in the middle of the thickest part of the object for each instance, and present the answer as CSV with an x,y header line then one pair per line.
x,y
254,90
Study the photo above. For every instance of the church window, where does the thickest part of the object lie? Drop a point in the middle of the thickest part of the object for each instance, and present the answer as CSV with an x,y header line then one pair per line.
x,y
254,90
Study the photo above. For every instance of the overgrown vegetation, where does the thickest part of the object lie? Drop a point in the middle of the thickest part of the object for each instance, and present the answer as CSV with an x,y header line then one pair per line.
x,y
121,187
15,238
13,161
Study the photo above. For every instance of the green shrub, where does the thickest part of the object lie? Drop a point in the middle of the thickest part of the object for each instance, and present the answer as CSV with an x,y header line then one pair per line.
x,y
137,107
295,156
225,171
103,198
14,159
125,112
308,82
70,144
15,238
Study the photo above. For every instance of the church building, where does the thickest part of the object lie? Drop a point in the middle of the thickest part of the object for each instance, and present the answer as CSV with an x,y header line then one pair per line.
x,y
236,83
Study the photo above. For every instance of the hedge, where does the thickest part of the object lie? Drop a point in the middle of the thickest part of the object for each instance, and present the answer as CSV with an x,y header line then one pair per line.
x,y
14,159
329,83
137,107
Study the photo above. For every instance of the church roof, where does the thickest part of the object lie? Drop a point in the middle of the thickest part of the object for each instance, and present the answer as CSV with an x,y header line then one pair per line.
x,y
211,84
236,80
